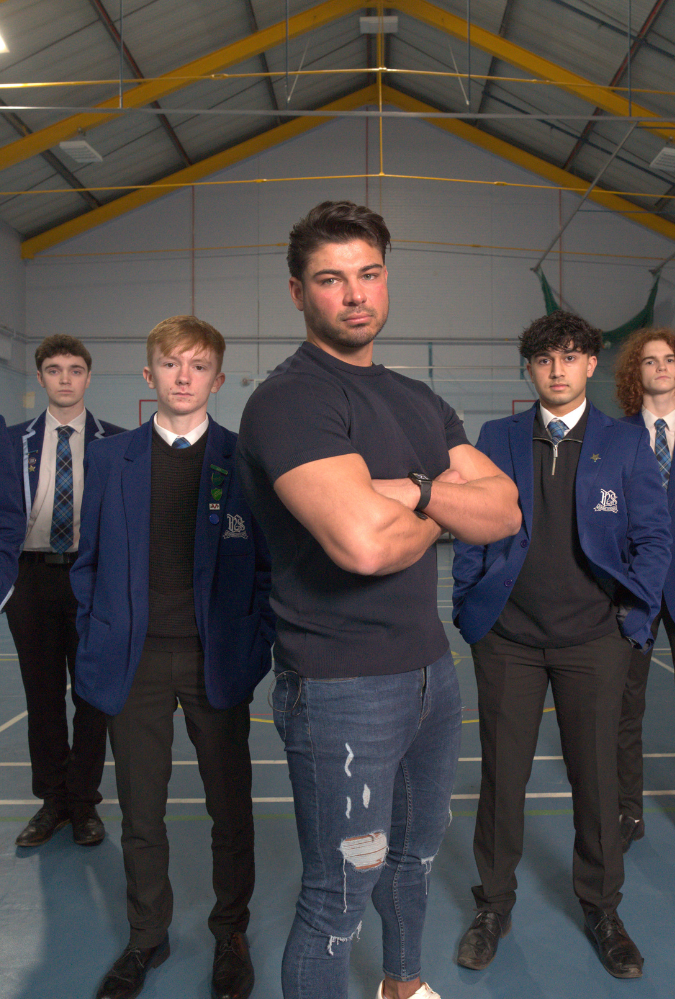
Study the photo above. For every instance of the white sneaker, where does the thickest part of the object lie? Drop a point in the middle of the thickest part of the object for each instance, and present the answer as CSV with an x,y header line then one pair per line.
x,y
423,992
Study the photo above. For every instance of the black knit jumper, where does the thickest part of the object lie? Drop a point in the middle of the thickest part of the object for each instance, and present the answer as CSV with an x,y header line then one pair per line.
x,y
175,477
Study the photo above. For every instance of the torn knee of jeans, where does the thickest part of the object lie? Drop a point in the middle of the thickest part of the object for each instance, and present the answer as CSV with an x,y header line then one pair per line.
x,y
426,863
365,852
337,940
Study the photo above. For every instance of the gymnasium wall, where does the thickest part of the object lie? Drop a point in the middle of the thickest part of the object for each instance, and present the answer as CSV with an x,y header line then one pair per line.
x,y
12,326
460,268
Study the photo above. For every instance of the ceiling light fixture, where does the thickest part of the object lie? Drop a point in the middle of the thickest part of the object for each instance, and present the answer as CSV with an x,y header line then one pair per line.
x,y
80,151
665,160
3,45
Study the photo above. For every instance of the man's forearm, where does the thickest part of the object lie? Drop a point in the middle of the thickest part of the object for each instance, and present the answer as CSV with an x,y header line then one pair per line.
x,y
477,512
404,542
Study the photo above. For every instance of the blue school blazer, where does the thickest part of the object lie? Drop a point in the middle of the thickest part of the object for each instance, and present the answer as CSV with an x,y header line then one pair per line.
x,y
27,440
622,518
110,578
669,585
12,519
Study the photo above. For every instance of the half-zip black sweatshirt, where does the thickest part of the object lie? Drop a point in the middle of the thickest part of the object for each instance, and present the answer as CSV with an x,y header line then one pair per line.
x,y
556,601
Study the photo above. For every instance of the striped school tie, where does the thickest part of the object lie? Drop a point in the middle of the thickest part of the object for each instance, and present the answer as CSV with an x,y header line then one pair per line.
x,y
181,442
61,534
662,451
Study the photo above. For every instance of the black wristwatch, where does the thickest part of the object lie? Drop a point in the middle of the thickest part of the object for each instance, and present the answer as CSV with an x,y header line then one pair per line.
x,y
424,482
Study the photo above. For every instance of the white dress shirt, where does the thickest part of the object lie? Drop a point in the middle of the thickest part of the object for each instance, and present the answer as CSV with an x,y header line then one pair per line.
x,y
40,521
570,419
650,421
192,437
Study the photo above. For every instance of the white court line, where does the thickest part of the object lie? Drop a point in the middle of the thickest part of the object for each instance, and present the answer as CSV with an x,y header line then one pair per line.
x,y
170,801
13,721
665,665
280,763
17,718
175,763
258,801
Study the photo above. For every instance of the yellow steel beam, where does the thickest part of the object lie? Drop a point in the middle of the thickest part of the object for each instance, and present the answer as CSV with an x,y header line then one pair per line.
x,y
153,90
292,129
210,165
516,55
527,161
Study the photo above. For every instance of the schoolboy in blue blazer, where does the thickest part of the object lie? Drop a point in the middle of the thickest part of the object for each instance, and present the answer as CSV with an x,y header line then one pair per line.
x,y
48,453
564,601
172,584
12,519
645,380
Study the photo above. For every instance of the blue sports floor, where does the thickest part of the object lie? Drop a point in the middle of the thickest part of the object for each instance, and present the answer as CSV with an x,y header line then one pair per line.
x,y
62,908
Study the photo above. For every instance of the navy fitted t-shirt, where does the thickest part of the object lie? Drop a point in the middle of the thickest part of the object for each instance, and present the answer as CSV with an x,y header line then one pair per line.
x,y
334,623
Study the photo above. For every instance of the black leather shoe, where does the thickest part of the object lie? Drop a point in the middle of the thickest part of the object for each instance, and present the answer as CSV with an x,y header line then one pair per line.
x,y
233,975
126,978
42,826
88,830
616,950
478,946
630,829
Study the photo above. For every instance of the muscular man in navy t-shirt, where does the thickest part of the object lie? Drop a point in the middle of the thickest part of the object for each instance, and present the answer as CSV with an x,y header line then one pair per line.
x,y
338,457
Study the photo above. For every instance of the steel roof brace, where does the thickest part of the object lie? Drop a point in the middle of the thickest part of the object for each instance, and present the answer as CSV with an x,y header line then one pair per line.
x,y
657,270
468,51
121,53
287,20
629,57
587,193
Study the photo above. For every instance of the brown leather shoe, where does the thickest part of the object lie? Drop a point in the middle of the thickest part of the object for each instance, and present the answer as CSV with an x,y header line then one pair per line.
x,y
617,952
88,830
48,820
631,829
478,946
233,975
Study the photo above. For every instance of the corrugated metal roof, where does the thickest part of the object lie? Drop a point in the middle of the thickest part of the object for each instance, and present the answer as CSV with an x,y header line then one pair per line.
x,y
586,37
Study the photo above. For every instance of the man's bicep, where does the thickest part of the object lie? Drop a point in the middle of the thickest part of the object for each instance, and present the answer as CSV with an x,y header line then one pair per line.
x,y
326,495
472,463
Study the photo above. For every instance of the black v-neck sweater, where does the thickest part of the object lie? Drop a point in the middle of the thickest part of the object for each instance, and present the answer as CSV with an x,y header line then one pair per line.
x,y
556,601
175,478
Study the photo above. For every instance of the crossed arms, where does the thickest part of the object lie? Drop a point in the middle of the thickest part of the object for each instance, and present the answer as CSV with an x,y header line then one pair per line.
x,y
368,526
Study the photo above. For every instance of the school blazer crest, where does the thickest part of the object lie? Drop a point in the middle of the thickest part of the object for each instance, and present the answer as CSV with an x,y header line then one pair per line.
x,y
622,518
111,576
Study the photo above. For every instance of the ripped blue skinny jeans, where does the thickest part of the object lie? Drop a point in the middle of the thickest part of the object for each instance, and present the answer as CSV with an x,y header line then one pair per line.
x,y
372,762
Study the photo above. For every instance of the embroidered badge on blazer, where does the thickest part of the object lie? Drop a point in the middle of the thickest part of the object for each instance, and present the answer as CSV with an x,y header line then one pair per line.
x,y
608,502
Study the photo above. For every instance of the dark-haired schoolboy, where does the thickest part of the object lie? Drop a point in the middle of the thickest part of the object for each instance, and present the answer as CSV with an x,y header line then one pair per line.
x,y
335,456
48,456
563,602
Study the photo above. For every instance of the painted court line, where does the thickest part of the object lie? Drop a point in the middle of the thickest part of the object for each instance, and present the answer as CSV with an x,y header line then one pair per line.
x,y
264,801
665,665
281,763
13,721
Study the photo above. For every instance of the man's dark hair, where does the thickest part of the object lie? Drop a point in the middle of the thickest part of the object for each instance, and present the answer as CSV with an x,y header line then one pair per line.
x,y
334,222
560,331
61,343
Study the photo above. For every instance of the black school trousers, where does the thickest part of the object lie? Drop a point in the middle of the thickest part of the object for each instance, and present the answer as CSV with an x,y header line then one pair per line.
x,y
141,736
587,682
41,616
630,763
